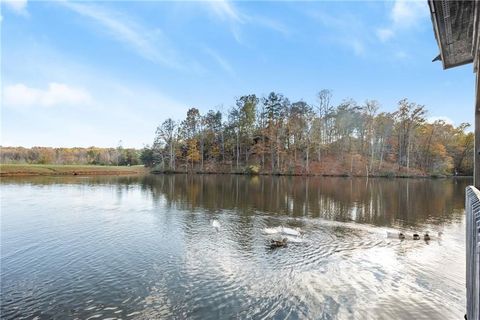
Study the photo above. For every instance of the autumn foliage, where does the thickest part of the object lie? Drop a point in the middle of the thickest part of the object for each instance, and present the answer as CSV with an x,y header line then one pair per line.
x,y
94,156
278,136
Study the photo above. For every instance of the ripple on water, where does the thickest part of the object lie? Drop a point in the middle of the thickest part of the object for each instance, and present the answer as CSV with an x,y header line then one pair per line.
x,y
126,259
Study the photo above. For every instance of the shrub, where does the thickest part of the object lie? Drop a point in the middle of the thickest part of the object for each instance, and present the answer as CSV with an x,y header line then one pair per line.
x,y
252,169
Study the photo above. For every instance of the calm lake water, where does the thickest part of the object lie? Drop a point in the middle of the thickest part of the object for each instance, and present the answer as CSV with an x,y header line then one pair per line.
x,y
145,248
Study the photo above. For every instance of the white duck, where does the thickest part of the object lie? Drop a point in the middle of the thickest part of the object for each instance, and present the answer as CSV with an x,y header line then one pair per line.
x,y
284,230
216,224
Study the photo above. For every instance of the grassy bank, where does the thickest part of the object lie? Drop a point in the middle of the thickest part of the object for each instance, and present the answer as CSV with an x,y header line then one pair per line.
x,y
81,170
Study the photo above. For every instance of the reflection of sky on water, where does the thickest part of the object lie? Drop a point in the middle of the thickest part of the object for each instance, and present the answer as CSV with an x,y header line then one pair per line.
x,y
149,241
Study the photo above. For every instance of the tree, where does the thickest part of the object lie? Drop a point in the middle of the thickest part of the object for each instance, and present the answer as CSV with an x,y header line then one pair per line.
x,y
246,106
213,134
383,123
165,135
300,121
409,116
193,155
323,108
190,129
146,156
368,113
275,106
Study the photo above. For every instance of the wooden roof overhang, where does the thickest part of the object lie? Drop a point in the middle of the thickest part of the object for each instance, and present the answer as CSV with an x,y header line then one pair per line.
x,y
456,25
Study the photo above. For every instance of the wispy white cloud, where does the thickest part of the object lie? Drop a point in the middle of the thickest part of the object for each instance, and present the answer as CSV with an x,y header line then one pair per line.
x,y
407,13
152,45
346,30
57,94
228,12
404,14
222,62
272,24
17,6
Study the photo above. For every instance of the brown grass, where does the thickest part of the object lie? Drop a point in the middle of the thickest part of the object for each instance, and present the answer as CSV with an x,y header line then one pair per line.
x,y
82,170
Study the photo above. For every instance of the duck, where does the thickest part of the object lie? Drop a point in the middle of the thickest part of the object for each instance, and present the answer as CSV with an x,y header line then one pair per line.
x,y
291,232
396,235
426,237
416,236
278,243
297,232
216,224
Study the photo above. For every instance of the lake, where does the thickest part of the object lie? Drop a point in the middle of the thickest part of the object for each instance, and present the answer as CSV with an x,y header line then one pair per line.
x,y
145,247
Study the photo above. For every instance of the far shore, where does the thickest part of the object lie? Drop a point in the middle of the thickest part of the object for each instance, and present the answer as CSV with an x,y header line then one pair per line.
x,y
21,170
338,175
13,170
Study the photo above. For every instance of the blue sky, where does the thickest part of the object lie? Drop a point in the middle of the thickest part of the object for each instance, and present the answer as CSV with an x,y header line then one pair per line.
x,y
89,73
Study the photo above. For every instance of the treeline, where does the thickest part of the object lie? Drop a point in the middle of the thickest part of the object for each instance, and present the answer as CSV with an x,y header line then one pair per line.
x,y
95,156
274,135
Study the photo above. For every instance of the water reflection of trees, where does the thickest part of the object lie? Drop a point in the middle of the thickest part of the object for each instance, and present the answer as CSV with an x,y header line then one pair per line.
x,y
375,201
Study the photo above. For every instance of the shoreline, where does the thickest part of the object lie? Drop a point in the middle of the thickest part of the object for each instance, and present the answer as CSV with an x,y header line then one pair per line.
x,y
341,175
25,170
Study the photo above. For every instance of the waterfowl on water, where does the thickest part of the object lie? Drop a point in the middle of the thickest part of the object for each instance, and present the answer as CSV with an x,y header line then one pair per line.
x,y
426,237
396,235
416,236
278,243
297,232
216,224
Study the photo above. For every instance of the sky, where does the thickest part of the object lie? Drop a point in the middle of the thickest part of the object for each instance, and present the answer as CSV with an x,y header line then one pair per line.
x,y
86,73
